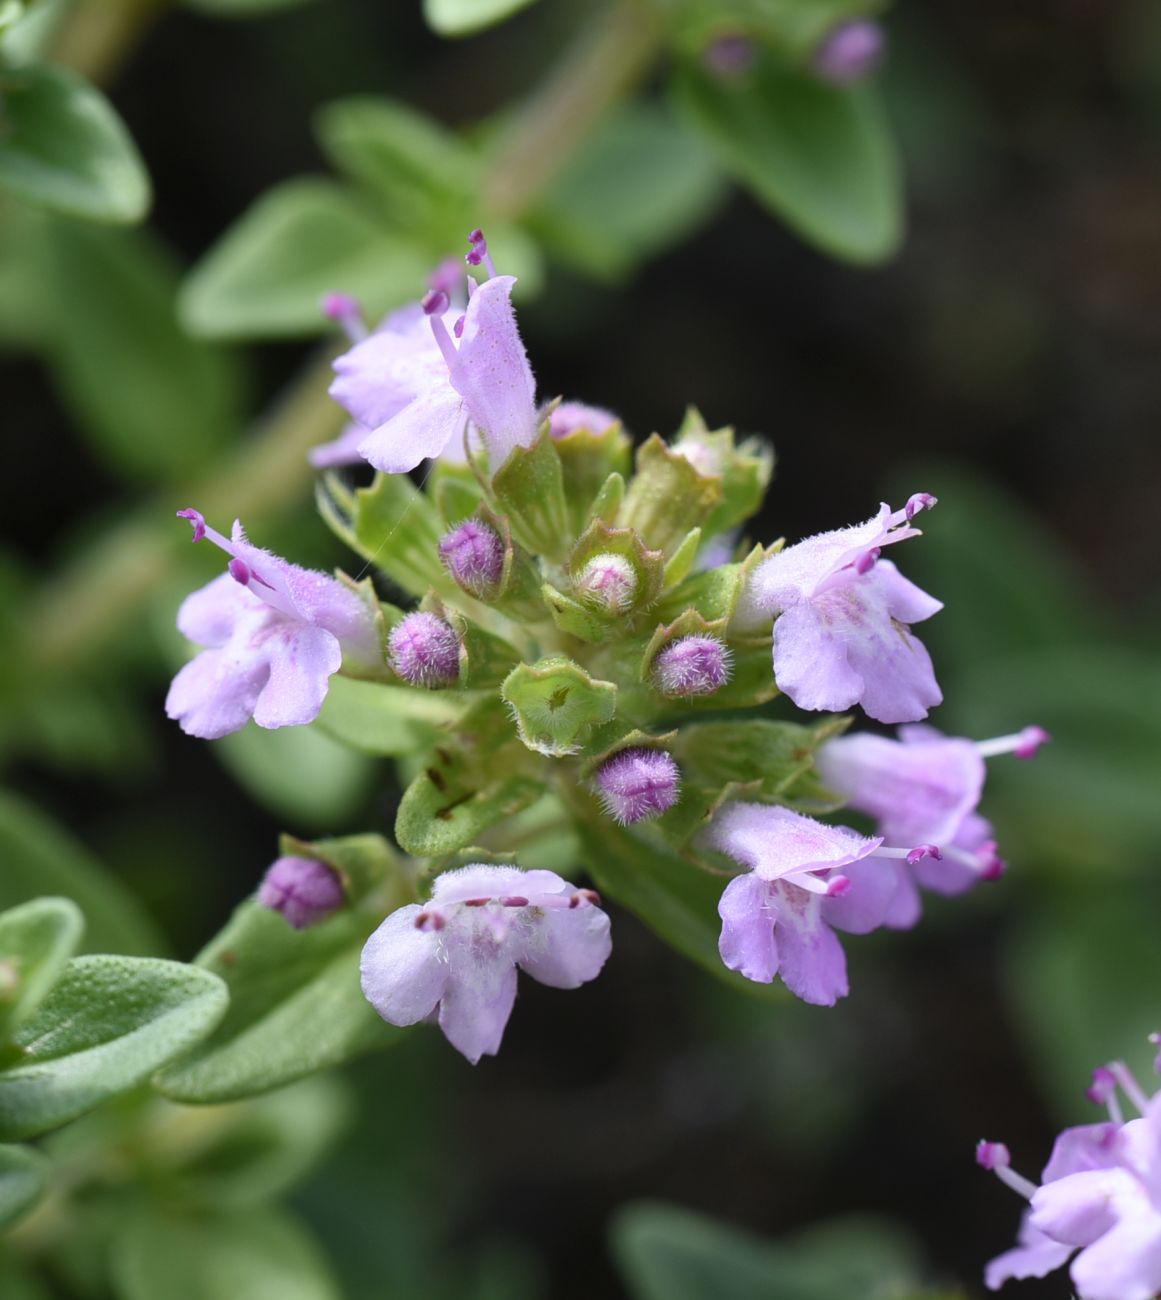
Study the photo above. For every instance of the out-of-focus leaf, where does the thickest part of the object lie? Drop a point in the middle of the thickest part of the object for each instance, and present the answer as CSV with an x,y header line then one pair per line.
x,y
819,156
16,1284
1082,978
301,240
108,1023
403,156
445,808
258,1255
296,1006
243,8
667,1253
23,1181
36,939
299,773
793,26
386,720
154,401
40,858
639,186
463,17
677,900
63,146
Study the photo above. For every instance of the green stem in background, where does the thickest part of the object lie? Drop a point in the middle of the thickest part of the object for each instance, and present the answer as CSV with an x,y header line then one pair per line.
x,y
86,605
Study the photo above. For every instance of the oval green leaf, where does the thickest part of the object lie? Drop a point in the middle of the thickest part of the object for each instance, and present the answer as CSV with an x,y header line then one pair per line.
x,y
23,1181
463,17
62,145
108,1024
36,941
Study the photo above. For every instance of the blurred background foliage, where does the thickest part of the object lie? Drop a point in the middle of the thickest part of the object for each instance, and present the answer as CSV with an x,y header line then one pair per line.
x,y
676,243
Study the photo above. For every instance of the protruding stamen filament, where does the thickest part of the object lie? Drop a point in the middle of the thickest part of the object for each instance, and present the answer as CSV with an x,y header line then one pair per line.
x,y
994,1157
1131,1088
478,253
435,302
919,501
347,314
1103,1092
1023,744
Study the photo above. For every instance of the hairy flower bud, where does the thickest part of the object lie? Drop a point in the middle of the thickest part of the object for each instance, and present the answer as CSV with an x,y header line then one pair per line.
x,y
637,784
473,554
608,582
425,651
303,890
692,665
849,52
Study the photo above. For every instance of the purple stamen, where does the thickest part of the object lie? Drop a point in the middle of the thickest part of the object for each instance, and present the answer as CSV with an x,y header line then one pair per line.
x,y
921,851
918,501
995,1158
239,570
866,562
837,886
197,519
478,253
447,277
458,327
345,312
435,302
515,901
1031,738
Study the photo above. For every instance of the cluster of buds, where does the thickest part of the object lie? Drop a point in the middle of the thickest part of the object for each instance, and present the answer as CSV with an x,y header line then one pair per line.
x,y
595,640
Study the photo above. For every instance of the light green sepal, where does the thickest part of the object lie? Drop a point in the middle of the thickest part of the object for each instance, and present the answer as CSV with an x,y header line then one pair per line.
x,y
556,704
745,469
530,489
588,460
667,496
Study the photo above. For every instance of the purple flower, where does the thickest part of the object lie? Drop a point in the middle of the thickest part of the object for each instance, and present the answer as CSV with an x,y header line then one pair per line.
x,y
304,890
424,650
924,788
842,635
455,957
1100,1194
692,665
849,52
637,784
806,880
275,634
570,417
416,389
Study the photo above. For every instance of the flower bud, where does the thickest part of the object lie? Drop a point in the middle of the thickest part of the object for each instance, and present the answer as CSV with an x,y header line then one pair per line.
x,y
303,890
425,651
571,417
849,52
636,784
473,554
607,581
692,665
730,55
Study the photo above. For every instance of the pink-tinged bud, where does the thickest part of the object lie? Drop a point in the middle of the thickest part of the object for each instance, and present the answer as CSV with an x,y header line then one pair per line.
x,y
435,302
1030,740
692,665
992,1156
607,581
637,784
197,519
425,651
303,890
919,501
730,56
849,52
473,554
921,851
1103,1087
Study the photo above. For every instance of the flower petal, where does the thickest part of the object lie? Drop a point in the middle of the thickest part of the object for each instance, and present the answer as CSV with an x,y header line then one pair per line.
x,y
215,693
814,965
476,1004
420,431
302,660
1125,1263
401,968
209,615
566,947
747,942
775,841
875,884
1035,1256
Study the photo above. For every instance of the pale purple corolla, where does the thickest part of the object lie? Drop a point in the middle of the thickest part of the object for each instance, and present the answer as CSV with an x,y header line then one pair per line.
x,y
431,376
806,880
1099,1195
274,635
842,620
454,958
925,788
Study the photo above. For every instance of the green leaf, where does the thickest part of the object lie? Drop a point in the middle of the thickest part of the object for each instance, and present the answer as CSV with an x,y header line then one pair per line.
x,y
154,402
386,720
300,240
300,773
296,1005
108,1024
667,1253
36,940
63,146
677,900
23,1181
40,858
819,156
557,704
17,1284
530,489
794,27
667,497
640,185
463,17
258,1255
243,8
451,803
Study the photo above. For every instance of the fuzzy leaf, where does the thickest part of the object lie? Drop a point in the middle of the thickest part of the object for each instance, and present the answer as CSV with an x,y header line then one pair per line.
x,y
557,704
463,17
266,276
530,488
107,1025
23,1181
36,940
449,805
387,720
819,156
63,146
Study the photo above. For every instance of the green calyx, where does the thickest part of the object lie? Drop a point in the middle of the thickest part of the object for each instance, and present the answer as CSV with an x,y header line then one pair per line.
x,y
556,704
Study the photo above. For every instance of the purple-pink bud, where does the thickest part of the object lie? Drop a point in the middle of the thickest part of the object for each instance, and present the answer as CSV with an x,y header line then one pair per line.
x,y
730,55
637,784
692,665
1031,738
849,52
607,581
473,554
303,890
424,650
992,1155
